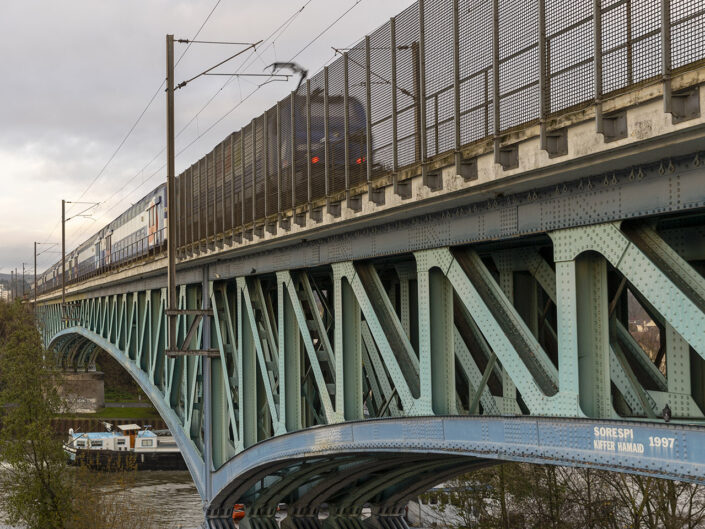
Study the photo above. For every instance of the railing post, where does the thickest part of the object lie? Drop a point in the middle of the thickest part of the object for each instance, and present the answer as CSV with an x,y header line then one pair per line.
x,y
200,209
253,127
232,186
208,209
309,190
293,150
279,160
630,45
597,45
184,209
543,78
346,119
215,194
368,105
222,186
242,177
393,43
495,78
666,54
456,84
177,215
326,132
266,161
422,93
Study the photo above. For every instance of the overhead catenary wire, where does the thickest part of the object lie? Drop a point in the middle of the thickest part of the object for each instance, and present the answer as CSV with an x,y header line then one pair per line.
x,y
205,72
274,35
238,104
258,87
325,30
140,116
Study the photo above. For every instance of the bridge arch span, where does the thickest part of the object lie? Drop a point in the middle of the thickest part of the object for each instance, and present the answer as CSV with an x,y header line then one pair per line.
x,y
81,337
392,460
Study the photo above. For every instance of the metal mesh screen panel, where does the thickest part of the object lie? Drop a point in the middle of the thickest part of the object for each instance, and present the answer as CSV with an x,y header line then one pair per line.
x,y
381,89
188,216
408,83
203,198
178,217
211,186
218,189
569,54
300,142
615,65
248,174
285,150
210,194
357,113
440,102
259,167
193,204
228,182
645,40
336,126
318,138
687,32
237,178
475,41
518,62
272,162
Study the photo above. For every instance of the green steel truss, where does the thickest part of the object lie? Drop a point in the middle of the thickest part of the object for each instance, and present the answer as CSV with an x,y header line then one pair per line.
x,y
536,326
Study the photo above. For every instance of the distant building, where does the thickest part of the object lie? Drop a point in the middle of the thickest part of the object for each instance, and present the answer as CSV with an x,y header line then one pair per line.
x,y
4,293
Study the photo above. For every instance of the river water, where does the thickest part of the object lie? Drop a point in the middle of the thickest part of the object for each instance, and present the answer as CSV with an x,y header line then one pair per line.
x,y
170,497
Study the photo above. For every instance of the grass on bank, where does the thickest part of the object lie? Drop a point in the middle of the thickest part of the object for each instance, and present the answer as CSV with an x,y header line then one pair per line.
x,y
119,394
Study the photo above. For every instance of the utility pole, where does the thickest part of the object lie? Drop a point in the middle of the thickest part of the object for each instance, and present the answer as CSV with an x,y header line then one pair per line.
x,y
23,280
63,255
17,286
12,285
172,311
170,189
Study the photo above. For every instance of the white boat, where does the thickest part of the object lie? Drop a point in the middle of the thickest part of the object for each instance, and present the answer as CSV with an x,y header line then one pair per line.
x,y
132,445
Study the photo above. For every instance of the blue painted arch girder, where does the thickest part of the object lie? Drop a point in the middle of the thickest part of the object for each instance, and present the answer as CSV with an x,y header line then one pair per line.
x,y
611,445
191,455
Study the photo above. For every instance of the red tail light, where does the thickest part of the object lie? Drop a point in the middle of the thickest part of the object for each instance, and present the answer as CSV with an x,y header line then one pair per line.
x,y
315,159
360,161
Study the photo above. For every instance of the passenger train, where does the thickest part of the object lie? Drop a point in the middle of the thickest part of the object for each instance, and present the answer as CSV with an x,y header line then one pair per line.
x,y
139,230
142,228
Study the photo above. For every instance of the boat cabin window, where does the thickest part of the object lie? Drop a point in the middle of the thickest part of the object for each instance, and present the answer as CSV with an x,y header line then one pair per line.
x,y
121,441
96,443
80,443
146,442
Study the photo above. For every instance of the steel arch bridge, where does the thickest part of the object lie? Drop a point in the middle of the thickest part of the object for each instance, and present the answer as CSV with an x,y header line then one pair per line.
x,y
468,299
462,355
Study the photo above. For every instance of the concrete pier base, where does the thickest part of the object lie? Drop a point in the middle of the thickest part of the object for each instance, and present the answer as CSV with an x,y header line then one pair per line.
x,y
84,391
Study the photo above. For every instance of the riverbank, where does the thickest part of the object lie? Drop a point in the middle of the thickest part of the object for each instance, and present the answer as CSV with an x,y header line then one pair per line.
x,y
170,497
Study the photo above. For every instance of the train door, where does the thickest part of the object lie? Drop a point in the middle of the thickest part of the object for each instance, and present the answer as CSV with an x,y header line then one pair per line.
x,y
108,245
153,223
98,257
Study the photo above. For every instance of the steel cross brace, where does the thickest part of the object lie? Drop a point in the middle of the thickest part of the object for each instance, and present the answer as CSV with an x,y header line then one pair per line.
x,y
183,350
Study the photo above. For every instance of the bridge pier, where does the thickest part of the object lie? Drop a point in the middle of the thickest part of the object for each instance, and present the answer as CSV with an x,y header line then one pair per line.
x,y
83,391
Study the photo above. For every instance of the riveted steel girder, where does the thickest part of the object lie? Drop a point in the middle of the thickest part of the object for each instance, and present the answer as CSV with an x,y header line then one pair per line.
x,y
458,335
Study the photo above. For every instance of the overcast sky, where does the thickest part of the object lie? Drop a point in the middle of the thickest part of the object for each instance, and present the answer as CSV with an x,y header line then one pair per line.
x,y
77,74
